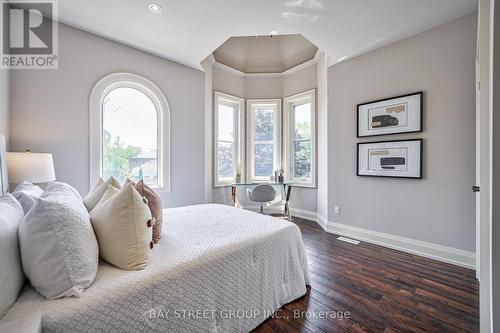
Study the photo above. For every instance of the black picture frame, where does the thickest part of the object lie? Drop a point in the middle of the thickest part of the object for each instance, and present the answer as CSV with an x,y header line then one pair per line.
x,y
420,176
421,97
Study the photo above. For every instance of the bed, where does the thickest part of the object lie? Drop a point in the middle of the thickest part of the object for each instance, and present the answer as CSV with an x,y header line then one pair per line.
x,y
216,269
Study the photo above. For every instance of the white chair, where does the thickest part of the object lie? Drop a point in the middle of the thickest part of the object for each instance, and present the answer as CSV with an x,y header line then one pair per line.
x,y
262,193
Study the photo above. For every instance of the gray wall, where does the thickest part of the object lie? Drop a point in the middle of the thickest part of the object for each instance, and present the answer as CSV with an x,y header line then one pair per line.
x,y
300,81
4,103
440,207
228,83
263,87
50,109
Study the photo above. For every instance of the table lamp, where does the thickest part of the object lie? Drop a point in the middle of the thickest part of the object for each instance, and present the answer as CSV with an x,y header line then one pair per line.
x,y
32,167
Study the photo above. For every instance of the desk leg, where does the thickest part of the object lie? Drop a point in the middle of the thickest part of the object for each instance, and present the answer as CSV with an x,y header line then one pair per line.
x,y
233,195
286,212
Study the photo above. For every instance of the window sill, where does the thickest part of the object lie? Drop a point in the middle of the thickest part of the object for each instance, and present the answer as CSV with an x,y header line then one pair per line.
x,y
305,185
161,189
222,185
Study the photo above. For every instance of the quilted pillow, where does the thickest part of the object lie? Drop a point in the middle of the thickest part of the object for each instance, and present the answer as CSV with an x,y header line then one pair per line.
x,y
27,194
154,203
11,272
123,228
93,198
58,246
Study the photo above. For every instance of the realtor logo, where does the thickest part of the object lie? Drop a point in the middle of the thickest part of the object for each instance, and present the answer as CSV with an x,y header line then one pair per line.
x,y
29,34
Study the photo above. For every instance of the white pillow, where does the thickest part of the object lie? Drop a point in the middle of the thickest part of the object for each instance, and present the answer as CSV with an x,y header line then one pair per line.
x,y
110,192
29,187
123,228
93,198
11,272
59,250
27,194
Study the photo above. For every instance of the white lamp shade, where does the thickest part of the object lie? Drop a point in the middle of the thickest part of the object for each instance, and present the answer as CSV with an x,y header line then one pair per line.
x,y
31,167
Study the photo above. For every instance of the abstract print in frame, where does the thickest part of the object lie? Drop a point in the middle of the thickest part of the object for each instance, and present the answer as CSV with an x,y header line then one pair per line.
x,y
401,114
399,159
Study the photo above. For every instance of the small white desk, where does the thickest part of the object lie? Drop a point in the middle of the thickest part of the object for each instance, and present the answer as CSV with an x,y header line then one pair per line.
x,y
287,189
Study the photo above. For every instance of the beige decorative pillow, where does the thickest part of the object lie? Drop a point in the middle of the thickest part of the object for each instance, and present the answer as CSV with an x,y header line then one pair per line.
x,y
129,181
93,198
97,184
110,192
121,226
154,203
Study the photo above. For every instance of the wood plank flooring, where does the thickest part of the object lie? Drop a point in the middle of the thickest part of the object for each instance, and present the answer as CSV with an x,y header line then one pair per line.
x,y
382,290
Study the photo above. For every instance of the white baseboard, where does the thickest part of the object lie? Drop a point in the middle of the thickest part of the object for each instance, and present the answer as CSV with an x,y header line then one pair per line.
x,y
425,249
304,214
447,254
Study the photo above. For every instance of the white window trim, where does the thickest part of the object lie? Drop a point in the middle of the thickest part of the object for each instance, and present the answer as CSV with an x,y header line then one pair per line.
x,y
239,136
99,92
276,103
288,103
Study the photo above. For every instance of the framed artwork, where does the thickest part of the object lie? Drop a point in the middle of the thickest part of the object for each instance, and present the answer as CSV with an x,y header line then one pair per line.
x,y
401,114
399,159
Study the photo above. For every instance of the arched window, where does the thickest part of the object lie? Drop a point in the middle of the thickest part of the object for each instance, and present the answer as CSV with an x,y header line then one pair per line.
x,y
129,131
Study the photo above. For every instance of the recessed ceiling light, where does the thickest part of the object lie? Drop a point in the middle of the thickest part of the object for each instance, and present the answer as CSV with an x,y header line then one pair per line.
x,y
343,58
155,8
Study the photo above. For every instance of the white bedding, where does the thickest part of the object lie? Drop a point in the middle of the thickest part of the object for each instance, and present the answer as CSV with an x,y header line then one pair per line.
x,y
216,269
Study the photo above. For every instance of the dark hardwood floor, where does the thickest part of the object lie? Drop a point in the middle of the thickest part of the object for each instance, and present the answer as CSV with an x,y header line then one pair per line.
x,y
377,290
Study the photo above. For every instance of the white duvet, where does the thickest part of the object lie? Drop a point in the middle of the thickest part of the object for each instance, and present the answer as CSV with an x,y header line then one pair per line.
x,y
216,269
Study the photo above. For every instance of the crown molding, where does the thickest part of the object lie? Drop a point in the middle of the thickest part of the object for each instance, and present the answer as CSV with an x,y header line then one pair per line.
x,y
239,73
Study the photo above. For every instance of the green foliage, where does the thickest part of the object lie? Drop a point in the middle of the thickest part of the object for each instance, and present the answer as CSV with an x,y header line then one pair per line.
x,y
302,150
264,124
264,130
226,162
116,155
302,158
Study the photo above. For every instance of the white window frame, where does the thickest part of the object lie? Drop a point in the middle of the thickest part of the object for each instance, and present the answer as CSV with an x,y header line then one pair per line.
x,y
128,80
276,105
288,138
239,135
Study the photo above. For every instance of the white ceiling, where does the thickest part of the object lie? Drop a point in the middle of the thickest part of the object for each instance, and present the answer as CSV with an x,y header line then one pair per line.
x,y
265,54
187,31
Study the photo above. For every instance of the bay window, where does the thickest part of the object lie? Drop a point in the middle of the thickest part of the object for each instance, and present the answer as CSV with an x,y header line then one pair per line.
x,y
263,135
249,145
299,143
228,138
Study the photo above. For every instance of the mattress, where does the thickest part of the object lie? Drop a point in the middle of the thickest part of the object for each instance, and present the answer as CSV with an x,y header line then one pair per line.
x,y
216,269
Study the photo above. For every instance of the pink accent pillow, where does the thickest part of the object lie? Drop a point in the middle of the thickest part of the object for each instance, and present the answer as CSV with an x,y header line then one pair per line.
x,y
154,203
